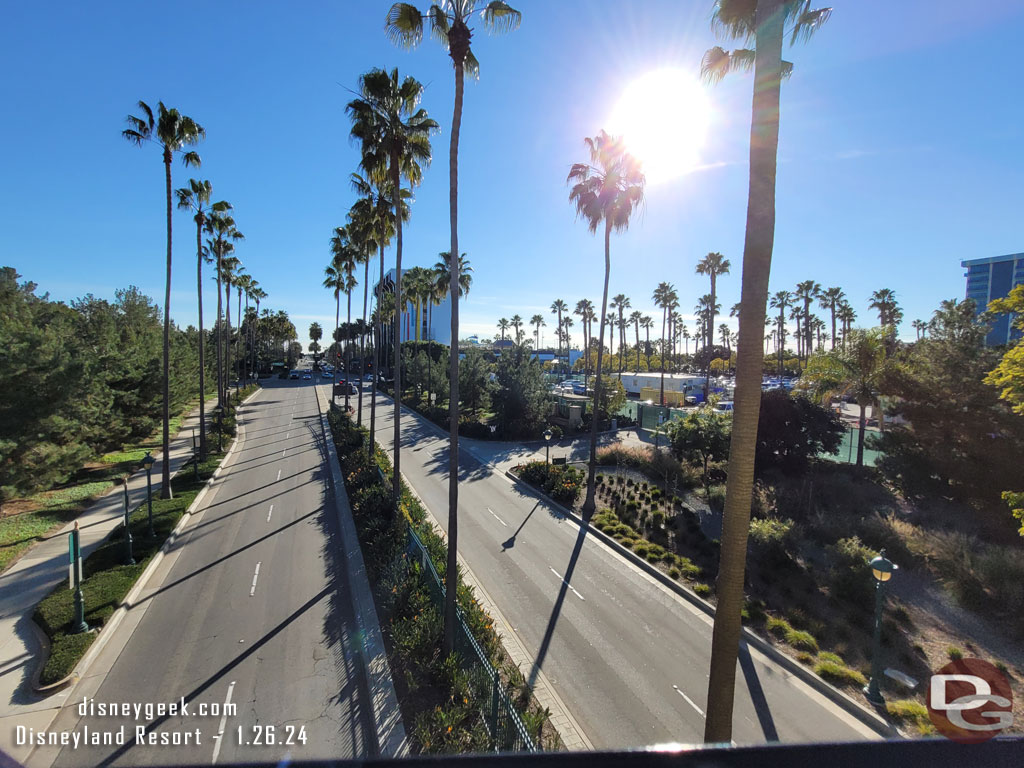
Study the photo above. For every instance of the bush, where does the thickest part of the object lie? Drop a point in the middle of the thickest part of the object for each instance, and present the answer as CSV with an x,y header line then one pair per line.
x,y
561,483
913,712
674,572
839,674
954,653
702,589
850,574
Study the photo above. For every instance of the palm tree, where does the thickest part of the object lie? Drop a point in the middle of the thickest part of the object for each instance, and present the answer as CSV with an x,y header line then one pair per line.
x,y
172,132
516,322
856,370
831,299
334,280
375,206
921,327
567,324
537,321
585,310
621,303
685,334
807,292
607,190
781,300
257,295
712,265
345,255
557,308
846,316
196,197
230,268
634,320
646,322
242,282
763,22
221,226
726,336
417,286
449,22
503,325
889,312
663,296
395,139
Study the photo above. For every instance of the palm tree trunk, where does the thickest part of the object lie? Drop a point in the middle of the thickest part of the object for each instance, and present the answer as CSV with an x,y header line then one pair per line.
x,y
202,351
238,338
165,481
219,333
757,260
833,308
664,317
227,341
861,424
378,356
362,337
348,347
589,505
337,343
396,180
647,348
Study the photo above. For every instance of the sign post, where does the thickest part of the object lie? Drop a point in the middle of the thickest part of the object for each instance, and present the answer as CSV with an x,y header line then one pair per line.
x,y
75,581
128,558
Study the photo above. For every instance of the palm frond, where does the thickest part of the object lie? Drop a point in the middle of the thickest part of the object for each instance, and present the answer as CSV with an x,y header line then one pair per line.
x,y
500,17
471,66
809,22
135,137
149,114
787,69
191,158
439,26
404,25
734,18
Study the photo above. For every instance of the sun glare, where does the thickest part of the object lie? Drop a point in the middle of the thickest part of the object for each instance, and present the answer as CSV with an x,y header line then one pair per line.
x,y
663,117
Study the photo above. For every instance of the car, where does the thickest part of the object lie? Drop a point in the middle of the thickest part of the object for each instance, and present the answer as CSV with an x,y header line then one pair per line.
x,y
368,378
327,374
307,375
293,375
724,406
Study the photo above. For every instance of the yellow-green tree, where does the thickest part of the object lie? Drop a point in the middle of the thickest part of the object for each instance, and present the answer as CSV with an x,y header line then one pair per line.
x,y
1008,376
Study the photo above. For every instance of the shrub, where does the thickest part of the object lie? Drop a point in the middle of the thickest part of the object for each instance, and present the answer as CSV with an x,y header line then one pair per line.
x,y
702,589
839,674
561,483
850,574
954,653
674,572
913,712
642,548
772,539
658,519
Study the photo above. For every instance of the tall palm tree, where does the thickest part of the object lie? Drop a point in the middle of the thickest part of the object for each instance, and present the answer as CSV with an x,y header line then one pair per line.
x,y
230,271
516,323
242,282
686,338
795,313
375,205
763,22
567,324
220,225
417,286
646,322
634,319
807,292
621,304
607,190
726,336
172,132
585,310
344,257
257,295
846,316
831,299
920,326
781,300
663,297
503,325
713,265
196,197
334,280
884,301
394,133
361,224
558,307
537,321
449,22
443,279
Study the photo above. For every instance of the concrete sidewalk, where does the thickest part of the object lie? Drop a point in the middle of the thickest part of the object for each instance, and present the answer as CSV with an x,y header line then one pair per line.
x,y
34,576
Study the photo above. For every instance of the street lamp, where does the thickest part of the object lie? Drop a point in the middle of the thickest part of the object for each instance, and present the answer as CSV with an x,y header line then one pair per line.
x,y
219,410
128,558
547,445
147,462
882,569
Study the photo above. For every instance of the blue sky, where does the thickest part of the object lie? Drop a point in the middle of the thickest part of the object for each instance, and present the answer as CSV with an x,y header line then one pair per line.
x,y
899,152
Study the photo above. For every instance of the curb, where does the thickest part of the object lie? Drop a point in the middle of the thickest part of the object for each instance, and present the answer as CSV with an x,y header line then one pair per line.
x,y
387,716
865,716
110,626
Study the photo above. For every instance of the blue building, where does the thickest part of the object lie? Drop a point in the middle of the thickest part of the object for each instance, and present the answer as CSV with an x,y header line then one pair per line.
x,y
990,279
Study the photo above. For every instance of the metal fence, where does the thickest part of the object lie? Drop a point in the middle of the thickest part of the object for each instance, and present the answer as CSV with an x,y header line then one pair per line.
x,y
508,733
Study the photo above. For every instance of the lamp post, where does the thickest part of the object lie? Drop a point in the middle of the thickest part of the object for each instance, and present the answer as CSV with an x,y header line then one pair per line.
x,y
547,445
219,410
75,557
882,569
128,558
147,462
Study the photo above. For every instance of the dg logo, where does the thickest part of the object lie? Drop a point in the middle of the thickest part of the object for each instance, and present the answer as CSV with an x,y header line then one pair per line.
x,y
970,701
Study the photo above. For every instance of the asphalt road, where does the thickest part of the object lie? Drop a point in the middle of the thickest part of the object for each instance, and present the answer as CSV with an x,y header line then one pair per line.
x,y
253,612
628,657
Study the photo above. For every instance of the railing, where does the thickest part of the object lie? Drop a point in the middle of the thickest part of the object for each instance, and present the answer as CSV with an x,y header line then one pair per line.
x,y
508,733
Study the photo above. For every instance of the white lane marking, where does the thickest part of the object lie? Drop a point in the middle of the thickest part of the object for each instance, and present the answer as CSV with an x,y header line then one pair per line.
x,y
288,436
497,518
270,512
689,700
285,451
252,589
278,475
570,586
223,722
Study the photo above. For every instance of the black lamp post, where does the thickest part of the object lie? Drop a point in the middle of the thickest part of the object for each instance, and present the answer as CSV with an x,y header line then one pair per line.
x,y
75,556
219,410
882,569
148,462
547,445
129,559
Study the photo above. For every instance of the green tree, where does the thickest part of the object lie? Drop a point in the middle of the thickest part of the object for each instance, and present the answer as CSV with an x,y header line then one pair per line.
x,y
857,370
172,132
449,22
220,225
664,296
394,135
559,307
1008,375
613,397
763,22
793,430
713,265
607,191
474,380
832,299
702,436
520,395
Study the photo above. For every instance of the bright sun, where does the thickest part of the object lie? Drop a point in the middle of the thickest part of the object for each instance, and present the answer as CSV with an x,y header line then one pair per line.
x,y
663,117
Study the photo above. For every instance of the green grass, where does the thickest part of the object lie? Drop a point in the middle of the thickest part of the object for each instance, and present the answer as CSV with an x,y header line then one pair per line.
x,y
839,674
799,639
954,653
702,589
913,713
107,580
21,531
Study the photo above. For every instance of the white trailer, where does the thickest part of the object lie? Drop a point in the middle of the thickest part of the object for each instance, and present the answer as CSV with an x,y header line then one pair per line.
x,y
674,382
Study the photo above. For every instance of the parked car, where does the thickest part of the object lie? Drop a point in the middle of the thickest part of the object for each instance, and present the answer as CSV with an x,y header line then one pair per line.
x,y
293,375
307,375
327,374
724,406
